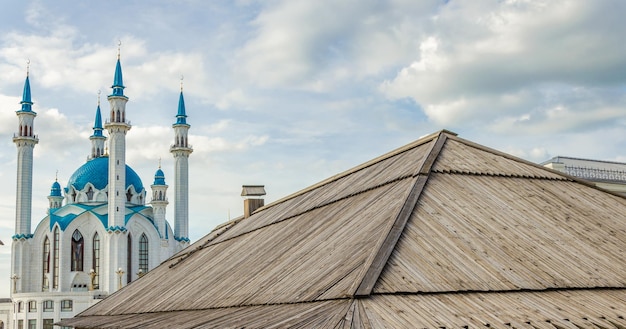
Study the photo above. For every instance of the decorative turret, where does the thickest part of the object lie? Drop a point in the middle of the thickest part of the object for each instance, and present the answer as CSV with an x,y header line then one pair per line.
x,y
181,151
117,128
55,198
25,140
97,139
159,200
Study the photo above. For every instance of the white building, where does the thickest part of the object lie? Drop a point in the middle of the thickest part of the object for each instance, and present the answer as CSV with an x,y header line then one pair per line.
x,y
609,175
100,232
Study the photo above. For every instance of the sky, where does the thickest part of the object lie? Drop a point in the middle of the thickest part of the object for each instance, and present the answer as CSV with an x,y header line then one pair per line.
x,y
287,93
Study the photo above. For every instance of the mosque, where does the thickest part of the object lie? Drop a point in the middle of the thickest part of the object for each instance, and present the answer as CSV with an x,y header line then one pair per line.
x,y
100,232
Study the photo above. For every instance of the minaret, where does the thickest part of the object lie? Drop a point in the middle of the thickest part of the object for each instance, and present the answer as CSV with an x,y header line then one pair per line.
x,y
97,139
159,200
25,140
117,126
181,150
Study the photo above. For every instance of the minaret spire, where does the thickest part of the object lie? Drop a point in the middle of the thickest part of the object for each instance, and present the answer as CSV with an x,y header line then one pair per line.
x,y
26,100
97,139
118,84
181,151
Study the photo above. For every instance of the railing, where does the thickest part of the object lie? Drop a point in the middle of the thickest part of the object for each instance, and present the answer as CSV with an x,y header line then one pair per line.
x,y
596,174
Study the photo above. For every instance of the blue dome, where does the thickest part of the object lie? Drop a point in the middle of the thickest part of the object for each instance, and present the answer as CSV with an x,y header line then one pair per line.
x,y
159,177
96,172
56,189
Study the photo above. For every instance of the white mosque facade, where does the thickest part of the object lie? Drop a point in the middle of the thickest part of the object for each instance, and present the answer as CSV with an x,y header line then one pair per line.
x,y
103,230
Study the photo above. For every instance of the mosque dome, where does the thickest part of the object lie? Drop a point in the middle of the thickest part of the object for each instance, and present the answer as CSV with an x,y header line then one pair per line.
x,y
96,172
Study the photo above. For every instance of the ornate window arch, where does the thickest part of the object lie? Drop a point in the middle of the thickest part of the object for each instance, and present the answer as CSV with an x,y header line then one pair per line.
x,y
45,264
78,247
95,257
143,253
55,262
129,259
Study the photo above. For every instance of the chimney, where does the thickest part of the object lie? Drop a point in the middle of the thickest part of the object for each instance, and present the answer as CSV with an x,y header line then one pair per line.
x,y
253,198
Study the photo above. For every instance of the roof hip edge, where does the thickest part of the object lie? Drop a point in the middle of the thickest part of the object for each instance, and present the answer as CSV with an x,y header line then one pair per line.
x,y
377,261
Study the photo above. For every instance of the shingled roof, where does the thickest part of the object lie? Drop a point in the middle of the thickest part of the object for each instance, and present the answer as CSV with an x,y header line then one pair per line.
x,y
441,233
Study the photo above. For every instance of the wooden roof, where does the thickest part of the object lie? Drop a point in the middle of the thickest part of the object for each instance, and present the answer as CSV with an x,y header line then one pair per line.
x,y
439,233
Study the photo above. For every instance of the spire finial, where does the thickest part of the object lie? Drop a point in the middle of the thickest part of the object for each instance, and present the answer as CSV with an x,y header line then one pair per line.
x,y
119,46
28,67
182,77
159,162
56,176
98,97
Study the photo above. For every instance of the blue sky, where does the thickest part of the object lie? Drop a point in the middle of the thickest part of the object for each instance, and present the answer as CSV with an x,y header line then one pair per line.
x,y
287,93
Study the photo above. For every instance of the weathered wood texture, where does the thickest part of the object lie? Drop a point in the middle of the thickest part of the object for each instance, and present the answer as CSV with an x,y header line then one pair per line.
x,y
324,314
461,156
316,255
473,232
442,217
399,166
596,308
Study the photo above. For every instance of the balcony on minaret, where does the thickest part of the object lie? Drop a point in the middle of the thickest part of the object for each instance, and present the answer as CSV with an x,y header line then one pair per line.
x,y
17,138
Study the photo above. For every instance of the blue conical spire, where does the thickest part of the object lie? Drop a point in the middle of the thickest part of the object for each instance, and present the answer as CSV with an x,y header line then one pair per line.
x,y
118,84
97,125
181,116
26,101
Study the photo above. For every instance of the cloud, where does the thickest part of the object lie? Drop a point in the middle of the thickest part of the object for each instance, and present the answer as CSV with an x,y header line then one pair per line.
x,y
494,62
311,45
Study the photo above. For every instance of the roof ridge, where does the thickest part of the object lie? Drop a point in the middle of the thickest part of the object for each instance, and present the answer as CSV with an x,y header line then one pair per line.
x,y
378,260
421,141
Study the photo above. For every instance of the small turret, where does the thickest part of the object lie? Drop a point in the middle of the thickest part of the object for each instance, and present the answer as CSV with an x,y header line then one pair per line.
x,y
159,200
55,198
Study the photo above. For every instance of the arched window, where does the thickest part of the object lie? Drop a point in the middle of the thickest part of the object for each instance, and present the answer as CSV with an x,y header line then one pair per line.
x,y
117,117
143,253
129,195
129,259
55,263
45,264
95,257
77,251
90,193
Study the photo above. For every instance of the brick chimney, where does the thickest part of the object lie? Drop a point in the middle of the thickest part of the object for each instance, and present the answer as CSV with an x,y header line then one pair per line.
x,y
253,198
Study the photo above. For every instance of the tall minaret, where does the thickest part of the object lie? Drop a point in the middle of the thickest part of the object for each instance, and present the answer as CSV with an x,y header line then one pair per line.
x,y
117,126
181,150
97,139
25,140
159,200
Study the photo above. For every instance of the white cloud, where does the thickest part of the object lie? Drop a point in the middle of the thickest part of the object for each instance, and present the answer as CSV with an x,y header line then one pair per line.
x,y
481,51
